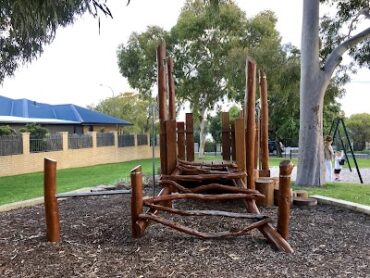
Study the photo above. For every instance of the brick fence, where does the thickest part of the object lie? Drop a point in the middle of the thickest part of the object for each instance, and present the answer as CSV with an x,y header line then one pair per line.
x,y
70,158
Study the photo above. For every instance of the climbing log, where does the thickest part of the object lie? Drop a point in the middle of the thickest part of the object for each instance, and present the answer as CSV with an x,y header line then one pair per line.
x,y
225,136
138,225
189,137
50,200
265,171
171,91
286,168
181,140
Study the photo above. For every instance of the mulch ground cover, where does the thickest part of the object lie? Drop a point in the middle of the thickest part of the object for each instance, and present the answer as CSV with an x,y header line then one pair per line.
x,y
96,242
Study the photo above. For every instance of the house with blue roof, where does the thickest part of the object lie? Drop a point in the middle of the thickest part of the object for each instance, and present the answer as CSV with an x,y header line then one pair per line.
x,y
56,118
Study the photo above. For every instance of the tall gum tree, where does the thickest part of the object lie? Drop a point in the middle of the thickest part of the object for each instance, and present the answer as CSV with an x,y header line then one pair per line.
x,y
316,75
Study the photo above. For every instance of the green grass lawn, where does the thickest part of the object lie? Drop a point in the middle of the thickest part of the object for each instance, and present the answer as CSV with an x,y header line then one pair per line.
x,y
27,186
358,193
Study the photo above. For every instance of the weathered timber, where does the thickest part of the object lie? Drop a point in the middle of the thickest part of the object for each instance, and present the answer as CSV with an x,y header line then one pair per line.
x,y
181,140
233,150
208,165
264,126
162,103
226,143
171,90
301,194
91,194
203,177
250,104
203,235
207,212
189,137
265,187
171,156
137,225
202,197
240,145
50,201
285,168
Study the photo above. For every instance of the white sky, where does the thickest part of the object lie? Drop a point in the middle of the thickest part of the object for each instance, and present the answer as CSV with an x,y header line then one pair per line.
x,y
80,66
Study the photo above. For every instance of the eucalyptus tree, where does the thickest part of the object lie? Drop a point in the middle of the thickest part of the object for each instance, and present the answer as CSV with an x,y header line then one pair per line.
x,y
27,25
322,53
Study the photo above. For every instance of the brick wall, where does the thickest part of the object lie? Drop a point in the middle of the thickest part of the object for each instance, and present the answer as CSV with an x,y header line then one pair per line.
x,y
33,162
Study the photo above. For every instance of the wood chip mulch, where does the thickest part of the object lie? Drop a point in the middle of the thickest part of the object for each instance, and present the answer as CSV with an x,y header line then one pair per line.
x,y
96,242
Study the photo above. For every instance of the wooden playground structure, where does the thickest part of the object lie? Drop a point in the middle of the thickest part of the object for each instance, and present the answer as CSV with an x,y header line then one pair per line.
x,y
235,178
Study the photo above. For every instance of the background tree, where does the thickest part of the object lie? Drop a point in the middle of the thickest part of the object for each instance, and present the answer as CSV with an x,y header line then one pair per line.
x,y
6,130
130,107
26,26
215,124
317,67
359,128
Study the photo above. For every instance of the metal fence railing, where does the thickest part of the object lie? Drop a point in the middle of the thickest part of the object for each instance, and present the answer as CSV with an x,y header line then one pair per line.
x,y
126,140
53,142
11,145
104,139
79,141
142,139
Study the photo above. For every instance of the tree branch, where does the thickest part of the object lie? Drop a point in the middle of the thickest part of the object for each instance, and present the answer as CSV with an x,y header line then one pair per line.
x,y
335,56
364,12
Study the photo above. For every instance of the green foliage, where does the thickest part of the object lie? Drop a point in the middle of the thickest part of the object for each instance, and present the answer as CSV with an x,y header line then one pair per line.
x,y
6,130
27,25
215,123
129,107
359,128
36,131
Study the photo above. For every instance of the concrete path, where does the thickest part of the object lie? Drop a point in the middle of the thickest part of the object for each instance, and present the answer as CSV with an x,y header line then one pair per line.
x,y
346,176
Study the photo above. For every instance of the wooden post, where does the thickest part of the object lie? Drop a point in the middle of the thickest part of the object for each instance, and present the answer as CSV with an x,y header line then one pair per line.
x,y
256,148
162,103
171,159
181,140
136,200
286,168
251,121
171,90
189,137
265,171
233,152
265,186
51,203
240,144
225,136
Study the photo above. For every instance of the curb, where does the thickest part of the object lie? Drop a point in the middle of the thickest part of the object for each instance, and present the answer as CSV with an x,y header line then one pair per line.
x,y
33,202
342,204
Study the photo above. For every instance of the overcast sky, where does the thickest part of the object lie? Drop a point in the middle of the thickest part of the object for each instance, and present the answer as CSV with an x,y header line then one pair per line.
x,y
80,66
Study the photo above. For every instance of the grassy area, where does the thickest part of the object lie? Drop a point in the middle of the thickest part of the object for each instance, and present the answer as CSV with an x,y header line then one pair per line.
x,y
27,186
345,191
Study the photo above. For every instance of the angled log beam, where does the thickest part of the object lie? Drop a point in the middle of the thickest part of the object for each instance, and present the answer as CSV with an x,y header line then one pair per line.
x,y
203,235
203,177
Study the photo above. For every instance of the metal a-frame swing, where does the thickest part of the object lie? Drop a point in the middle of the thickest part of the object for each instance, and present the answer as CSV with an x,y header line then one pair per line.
x,y
186,179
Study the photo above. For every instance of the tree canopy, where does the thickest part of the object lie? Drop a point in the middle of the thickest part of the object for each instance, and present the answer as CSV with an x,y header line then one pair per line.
x,y
26,26
130,107
359,127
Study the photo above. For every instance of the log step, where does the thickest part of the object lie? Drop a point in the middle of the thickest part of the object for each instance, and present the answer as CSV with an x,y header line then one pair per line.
x,y
301,202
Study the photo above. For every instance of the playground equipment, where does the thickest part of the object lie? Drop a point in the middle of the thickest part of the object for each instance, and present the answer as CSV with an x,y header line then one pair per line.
x,y
186,179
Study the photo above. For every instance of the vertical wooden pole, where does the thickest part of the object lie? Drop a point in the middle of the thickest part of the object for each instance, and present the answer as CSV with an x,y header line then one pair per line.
x,y
225,136
286,168
181,140
256,147
240,144
171,90
50,200
189,137
233,151
265,171
162,103
136,200
171,159
251,121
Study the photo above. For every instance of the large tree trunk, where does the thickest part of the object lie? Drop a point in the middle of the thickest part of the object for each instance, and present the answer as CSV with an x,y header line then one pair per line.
x,y
202,134
311,160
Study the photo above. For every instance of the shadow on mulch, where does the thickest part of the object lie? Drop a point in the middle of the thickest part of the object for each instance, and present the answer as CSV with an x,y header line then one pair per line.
x,y
96,242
